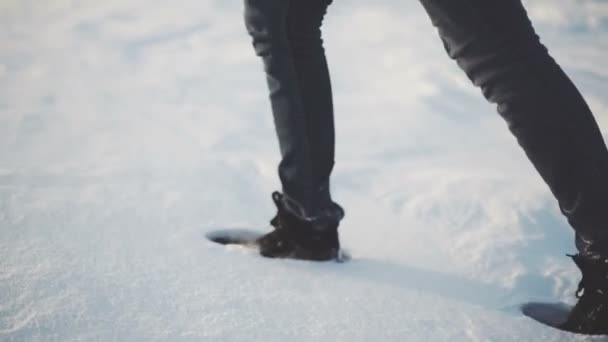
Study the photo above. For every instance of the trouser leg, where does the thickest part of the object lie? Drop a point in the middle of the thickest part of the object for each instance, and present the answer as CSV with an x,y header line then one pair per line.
x,y
495,44
304,34
287,36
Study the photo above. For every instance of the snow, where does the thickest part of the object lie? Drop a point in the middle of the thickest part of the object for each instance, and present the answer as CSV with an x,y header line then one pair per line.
x,y
130,129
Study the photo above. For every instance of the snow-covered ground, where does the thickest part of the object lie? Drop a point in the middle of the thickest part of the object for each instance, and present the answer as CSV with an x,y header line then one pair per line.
x,y
130,129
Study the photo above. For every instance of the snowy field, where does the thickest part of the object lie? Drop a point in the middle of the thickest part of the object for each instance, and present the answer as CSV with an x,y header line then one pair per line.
x,y
130,129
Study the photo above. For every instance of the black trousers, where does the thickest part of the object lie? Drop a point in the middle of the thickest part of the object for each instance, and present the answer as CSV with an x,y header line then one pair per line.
x,y
287,35
494,43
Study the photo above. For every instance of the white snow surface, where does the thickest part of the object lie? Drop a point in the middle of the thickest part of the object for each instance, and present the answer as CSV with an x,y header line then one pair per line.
x,y
130,129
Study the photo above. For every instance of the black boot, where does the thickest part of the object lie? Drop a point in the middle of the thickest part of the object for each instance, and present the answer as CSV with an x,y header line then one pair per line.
x,y
590,315
297,238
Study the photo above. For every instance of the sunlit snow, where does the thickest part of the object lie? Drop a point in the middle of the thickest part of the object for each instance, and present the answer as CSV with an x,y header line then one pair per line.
x,y
130,129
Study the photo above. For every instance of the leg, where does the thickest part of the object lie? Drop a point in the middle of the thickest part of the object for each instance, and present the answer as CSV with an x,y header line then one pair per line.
x,y
304,34
495,44
286,34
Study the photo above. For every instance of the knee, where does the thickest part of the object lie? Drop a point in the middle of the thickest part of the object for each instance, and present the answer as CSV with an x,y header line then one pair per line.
x,y
502,56
503,68
267,29
304,28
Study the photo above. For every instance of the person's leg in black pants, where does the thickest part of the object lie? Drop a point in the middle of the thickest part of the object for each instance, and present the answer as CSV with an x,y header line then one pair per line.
x,y
286,34
495,44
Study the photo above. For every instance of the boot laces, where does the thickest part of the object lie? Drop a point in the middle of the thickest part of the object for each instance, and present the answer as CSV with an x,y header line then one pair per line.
x,y
581,288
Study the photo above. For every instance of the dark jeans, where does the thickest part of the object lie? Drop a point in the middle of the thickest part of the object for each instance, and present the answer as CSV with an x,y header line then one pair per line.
x,y
287,35
495,44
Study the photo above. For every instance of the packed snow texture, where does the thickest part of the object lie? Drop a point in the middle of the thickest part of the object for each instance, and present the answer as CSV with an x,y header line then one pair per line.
x,y
130,129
